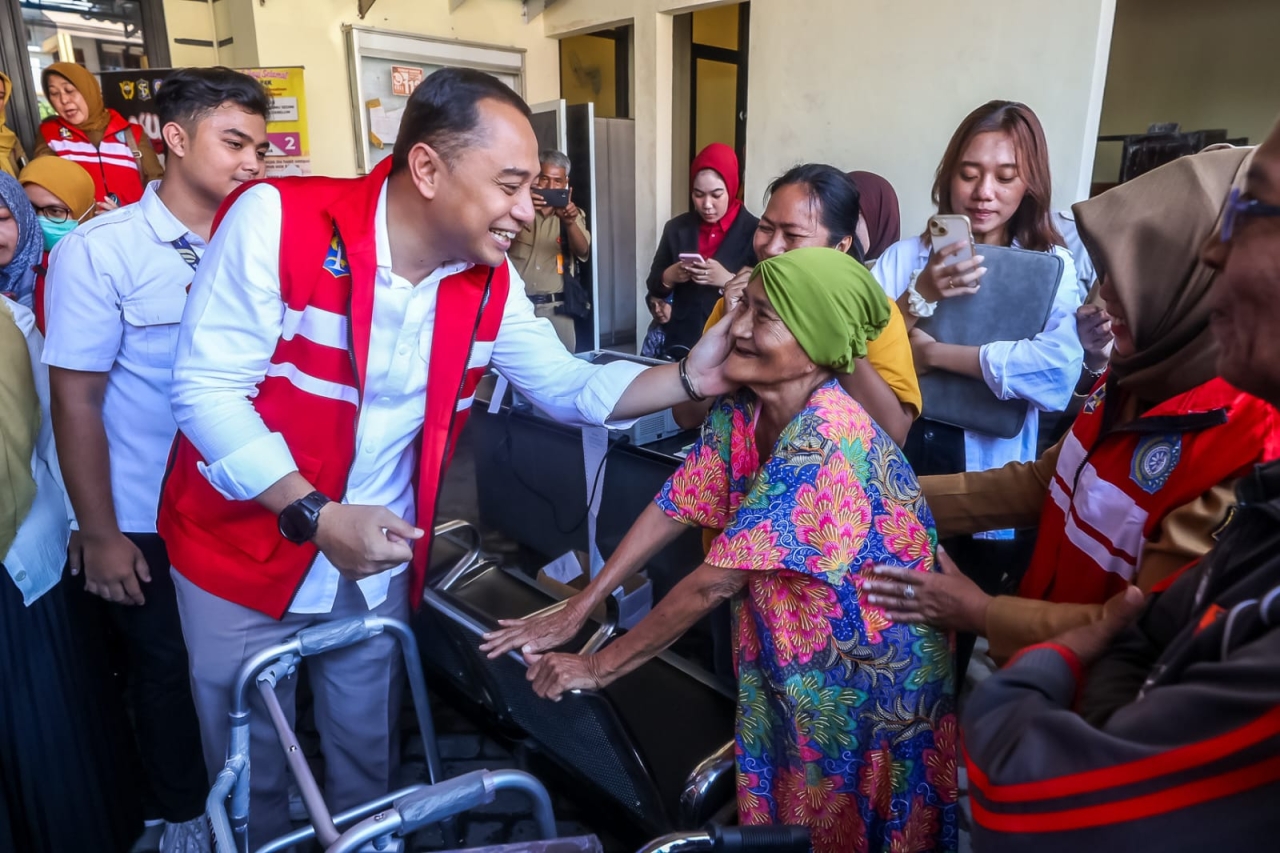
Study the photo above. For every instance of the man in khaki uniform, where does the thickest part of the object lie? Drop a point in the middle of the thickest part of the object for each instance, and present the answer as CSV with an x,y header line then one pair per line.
x,y
537,253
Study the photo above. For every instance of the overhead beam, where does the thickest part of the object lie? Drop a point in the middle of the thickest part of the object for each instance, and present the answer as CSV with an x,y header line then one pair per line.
x,y
534,8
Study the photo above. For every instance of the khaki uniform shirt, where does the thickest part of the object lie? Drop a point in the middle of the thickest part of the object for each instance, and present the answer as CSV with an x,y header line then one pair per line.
x,y
537,256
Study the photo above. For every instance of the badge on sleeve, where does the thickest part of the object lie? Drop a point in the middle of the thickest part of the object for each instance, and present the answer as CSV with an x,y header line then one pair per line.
x,y
1154,461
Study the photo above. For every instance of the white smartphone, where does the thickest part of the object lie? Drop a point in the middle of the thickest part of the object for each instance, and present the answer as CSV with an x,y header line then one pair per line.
x,y
947,229
692,258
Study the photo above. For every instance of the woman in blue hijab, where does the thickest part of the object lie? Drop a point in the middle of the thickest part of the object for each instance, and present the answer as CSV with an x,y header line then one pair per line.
x,y
20,242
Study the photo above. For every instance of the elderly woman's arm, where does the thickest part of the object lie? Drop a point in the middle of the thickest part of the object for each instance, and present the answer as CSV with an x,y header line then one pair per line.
x,y
690,600
652,532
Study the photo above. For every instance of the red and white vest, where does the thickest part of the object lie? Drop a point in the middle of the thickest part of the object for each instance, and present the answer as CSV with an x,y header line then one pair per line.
x,y
1111,491
311,394
112,164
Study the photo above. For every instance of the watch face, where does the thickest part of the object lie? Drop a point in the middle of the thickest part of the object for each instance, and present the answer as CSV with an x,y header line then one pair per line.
x,y
294,524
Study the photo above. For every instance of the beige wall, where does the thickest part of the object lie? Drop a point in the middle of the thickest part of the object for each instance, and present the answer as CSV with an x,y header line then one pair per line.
x,y
309,33
912,70
192,21
1203,65
898,77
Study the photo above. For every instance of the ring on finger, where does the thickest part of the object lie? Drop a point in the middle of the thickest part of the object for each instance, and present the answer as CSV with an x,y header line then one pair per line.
x,y
909,592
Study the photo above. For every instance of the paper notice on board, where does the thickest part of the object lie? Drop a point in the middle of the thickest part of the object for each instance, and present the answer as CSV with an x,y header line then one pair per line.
x,y
595,444
384,124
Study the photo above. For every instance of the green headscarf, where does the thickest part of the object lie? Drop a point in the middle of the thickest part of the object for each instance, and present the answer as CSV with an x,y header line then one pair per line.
x,y
828,300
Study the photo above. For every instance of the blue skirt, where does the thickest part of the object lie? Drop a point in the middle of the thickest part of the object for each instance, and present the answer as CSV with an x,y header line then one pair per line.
x,y
66,781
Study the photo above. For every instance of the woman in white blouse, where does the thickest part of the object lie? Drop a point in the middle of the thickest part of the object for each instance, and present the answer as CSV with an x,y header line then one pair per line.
x,y
996,172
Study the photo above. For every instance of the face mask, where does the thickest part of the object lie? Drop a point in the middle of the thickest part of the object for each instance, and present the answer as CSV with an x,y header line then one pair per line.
x,y
55,231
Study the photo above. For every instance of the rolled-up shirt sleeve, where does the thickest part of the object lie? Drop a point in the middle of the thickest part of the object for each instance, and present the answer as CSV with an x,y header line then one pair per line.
x,y
1042,370
529,354
230,328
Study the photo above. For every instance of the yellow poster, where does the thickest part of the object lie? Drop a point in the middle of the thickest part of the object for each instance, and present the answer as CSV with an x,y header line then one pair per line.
x,y
290,152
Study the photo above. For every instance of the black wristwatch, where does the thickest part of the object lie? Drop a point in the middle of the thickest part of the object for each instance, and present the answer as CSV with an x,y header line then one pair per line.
x,y
298,521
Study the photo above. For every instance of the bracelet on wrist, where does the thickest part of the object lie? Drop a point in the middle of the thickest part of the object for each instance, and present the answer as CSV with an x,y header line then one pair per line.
x,y
917,305
688,383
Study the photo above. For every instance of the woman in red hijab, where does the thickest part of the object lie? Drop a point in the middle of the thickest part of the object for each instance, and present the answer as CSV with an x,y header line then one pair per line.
x,y
720,230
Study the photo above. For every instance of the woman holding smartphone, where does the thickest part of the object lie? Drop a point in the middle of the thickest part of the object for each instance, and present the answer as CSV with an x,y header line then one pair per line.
x,y
700,251
995,172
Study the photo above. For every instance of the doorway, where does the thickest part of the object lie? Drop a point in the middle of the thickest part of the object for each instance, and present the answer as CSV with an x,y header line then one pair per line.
x,y
710,88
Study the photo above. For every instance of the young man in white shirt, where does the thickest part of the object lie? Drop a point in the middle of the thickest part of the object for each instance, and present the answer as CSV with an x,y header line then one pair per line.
x,y
327,361
117,287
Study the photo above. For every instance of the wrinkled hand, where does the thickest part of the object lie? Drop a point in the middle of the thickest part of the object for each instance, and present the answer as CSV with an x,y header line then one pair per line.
x,y
705,364
534,635
112,566
556,674
950,600
362,541
1089,642
922,344
736,289
940,280
712,273
1093,325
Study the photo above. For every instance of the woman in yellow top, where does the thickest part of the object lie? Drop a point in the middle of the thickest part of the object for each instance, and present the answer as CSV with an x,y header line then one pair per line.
x,y
817,205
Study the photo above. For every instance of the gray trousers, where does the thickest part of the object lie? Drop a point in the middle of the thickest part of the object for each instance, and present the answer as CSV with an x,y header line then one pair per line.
x,y
357,698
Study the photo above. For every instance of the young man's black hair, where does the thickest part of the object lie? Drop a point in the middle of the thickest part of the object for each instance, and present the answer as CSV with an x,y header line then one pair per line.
x,y
188,94
442,112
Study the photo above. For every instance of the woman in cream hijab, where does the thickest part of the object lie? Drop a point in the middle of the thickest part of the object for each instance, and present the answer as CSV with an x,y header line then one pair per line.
x,y
1141,485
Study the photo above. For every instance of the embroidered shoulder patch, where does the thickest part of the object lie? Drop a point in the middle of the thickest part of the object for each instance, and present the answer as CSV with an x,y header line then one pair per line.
x,y
1095,399
336,259
1154,460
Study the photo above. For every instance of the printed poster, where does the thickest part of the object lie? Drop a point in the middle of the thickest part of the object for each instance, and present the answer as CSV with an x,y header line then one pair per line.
x,y
132,94
405,78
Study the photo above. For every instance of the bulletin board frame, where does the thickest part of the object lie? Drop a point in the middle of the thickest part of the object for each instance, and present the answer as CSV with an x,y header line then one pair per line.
x,y
369,46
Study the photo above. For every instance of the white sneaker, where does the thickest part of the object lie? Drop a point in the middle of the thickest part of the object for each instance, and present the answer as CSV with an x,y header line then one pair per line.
x,y
190,836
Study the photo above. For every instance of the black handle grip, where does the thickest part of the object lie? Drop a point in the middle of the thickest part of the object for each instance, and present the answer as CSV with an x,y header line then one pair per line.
x,y
760,839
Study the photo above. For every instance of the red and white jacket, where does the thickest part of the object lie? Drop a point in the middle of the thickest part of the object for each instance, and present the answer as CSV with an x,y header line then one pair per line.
x,y
112,163
233,549
1111,490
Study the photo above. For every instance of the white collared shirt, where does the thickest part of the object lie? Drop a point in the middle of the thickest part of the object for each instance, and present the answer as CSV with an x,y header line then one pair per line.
x,y
1042,370
38,552
116,290
235,319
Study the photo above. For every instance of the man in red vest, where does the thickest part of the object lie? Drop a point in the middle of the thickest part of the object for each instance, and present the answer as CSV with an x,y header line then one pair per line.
x,y
327,362
1161,733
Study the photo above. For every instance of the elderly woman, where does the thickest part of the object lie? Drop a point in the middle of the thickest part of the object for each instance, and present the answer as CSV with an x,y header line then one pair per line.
x,y
845,721
116,154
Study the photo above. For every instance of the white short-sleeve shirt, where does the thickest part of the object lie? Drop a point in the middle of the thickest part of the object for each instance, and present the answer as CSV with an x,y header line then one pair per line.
x,y
116,290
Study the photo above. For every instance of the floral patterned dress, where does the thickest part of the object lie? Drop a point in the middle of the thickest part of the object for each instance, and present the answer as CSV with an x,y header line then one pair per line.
x,y
846,721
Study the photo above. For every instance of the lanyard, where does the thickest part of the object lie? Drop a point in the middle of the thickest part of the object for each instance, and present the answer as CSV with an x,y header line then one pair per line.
x,y
184,249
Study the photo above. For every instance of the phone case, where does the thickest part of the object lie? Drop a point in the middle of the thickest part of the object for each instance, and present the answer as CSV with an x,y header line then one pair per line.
x,y
947,229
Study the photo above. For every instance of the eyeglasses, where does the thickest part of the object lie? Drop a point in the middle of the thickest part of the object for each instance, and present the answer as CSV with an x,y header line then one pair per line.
x,y
60,214
1237,208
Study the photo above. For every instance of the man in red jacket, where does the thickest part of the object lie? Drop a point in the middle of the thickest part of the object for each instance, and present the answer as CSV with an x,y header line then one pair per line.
x,y
1176,745
327,362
